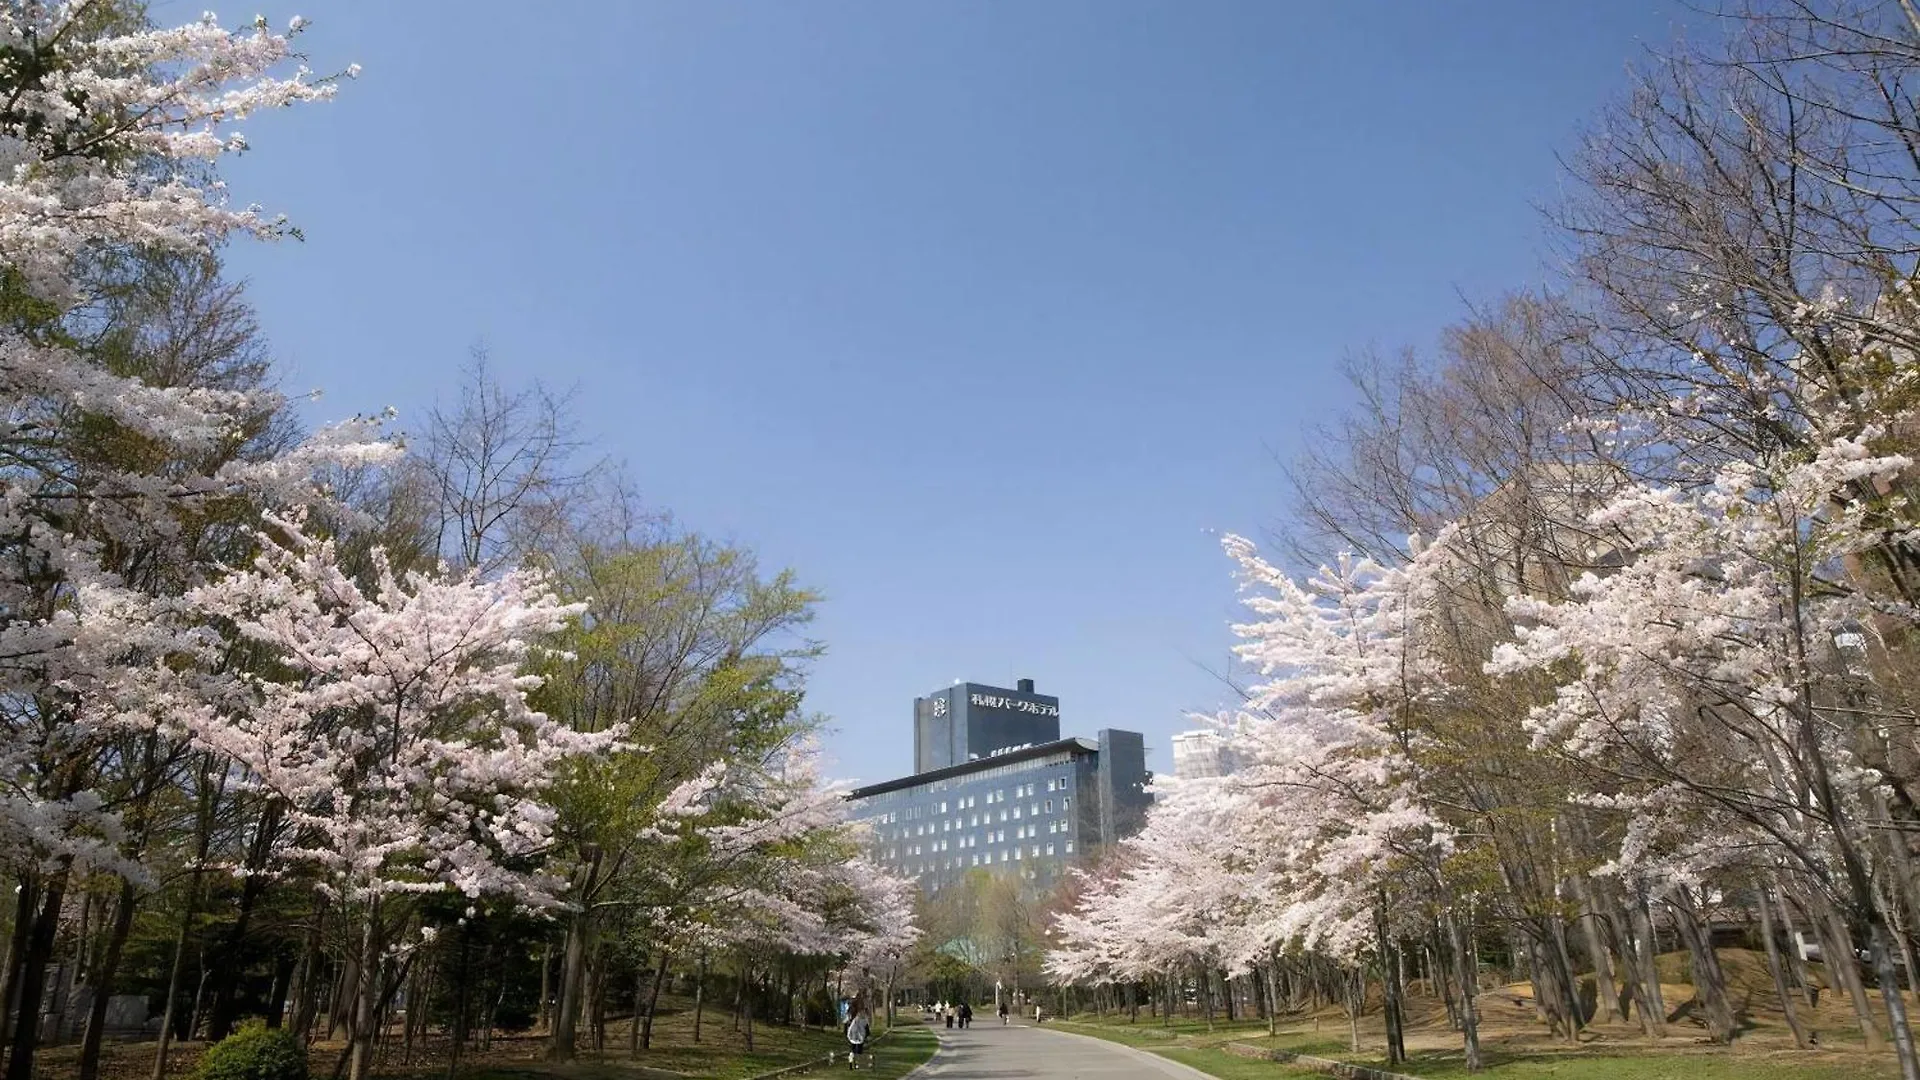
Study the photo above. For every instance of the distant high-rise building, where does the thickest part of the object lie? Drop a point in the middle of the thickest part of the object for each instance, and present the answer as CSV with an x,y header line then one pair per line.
x,y
996,788
1202,753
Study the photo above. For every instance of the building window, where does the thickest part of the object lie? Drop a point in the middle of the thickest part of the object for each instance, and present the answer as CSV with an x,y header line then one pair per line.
x,y
1016,854
1034,810
1063,804
1016,813
943,807
1049,849
1069,847
1049,806
1036,851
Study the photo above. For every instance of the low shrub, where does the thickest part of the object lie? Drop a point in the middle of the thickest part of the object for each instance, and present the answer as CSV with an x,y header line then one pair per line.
x,y
255,1052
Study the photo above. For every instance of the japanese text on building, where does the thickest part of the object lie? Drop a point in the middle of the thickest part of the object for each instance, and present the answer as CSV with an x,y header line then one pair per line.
x,y
1000,701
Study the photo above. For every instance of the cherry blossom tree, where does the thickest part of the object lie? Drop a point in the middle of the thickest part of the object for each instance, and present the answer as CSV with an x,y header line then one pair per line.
x,y
108,139
392,725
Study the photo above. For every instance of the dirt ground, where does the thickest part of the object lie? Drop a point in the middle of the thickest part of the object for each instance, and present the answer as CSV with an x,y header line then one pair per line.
x,y
720,1054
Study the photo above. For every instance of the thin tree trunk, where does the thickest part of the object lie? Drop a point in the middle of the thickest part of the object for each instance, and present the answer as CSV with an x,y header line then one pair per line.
x,y
1273,998
1561,959
699,998
1778,971
1653,1001
747,1004
1389,983
1466,973
1709,983
1836,950
174,971
306,996
1795,961
26,1035
26,902
573,964
1606,992
1880,939
367,1001
633,1028
653,999
103,982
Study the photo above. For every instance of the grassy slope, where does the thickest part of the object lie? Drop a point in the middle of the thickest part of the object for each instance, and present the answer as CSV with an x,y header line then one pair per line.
x,y
1518,1048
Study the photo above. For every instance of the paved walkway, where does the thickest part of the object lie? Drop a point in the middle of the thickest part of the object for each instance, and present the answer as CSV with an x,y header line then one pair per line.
x,y
988,1051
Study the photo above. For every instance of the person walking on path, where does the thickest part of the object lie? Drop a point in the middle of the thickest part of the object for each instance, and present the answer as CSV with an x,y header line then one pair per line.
x,y
1003,1014
857,1028
966,1015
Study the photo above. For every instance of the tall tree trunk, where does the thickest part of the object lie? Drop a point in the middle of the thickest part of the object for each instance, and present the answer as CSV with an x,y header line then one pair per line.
x,y
546,990
25,902
747,1003
1779,973
1389,983
231,952
307,980
1467,975
174,970
1606,992
699,997
1836,951
1273,998
573,964
639,1006
206,806
1795,961
653,999
366,1009
1880,943
278,990
1562,960
46,924
103,977
1709,982
1653,1001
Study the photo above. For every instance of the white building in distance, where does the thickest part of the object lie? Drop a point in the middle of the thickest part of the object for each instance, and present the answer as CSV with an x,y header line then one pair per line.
x,y
1201,753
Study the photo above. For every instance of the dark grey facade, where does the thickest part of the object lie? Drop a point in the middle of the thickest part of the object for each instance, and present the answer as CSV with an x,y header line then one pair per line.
x,y
968,721
997,789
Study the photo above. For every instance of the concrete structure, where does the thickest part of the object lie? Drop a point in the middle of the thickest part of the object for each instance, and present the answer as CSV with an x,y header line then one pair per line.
x,y
1203,753
998,789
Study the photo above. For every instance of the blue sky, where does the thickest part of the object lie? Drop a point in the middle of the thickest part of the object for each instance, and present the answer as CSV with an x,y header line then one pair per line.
x,y
986,318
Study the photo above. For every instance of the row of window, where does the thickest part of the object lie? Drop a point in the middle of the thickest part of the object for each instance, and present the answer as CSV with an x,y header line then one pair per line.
x,y
1012,854
1026,875
992,836
976,820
